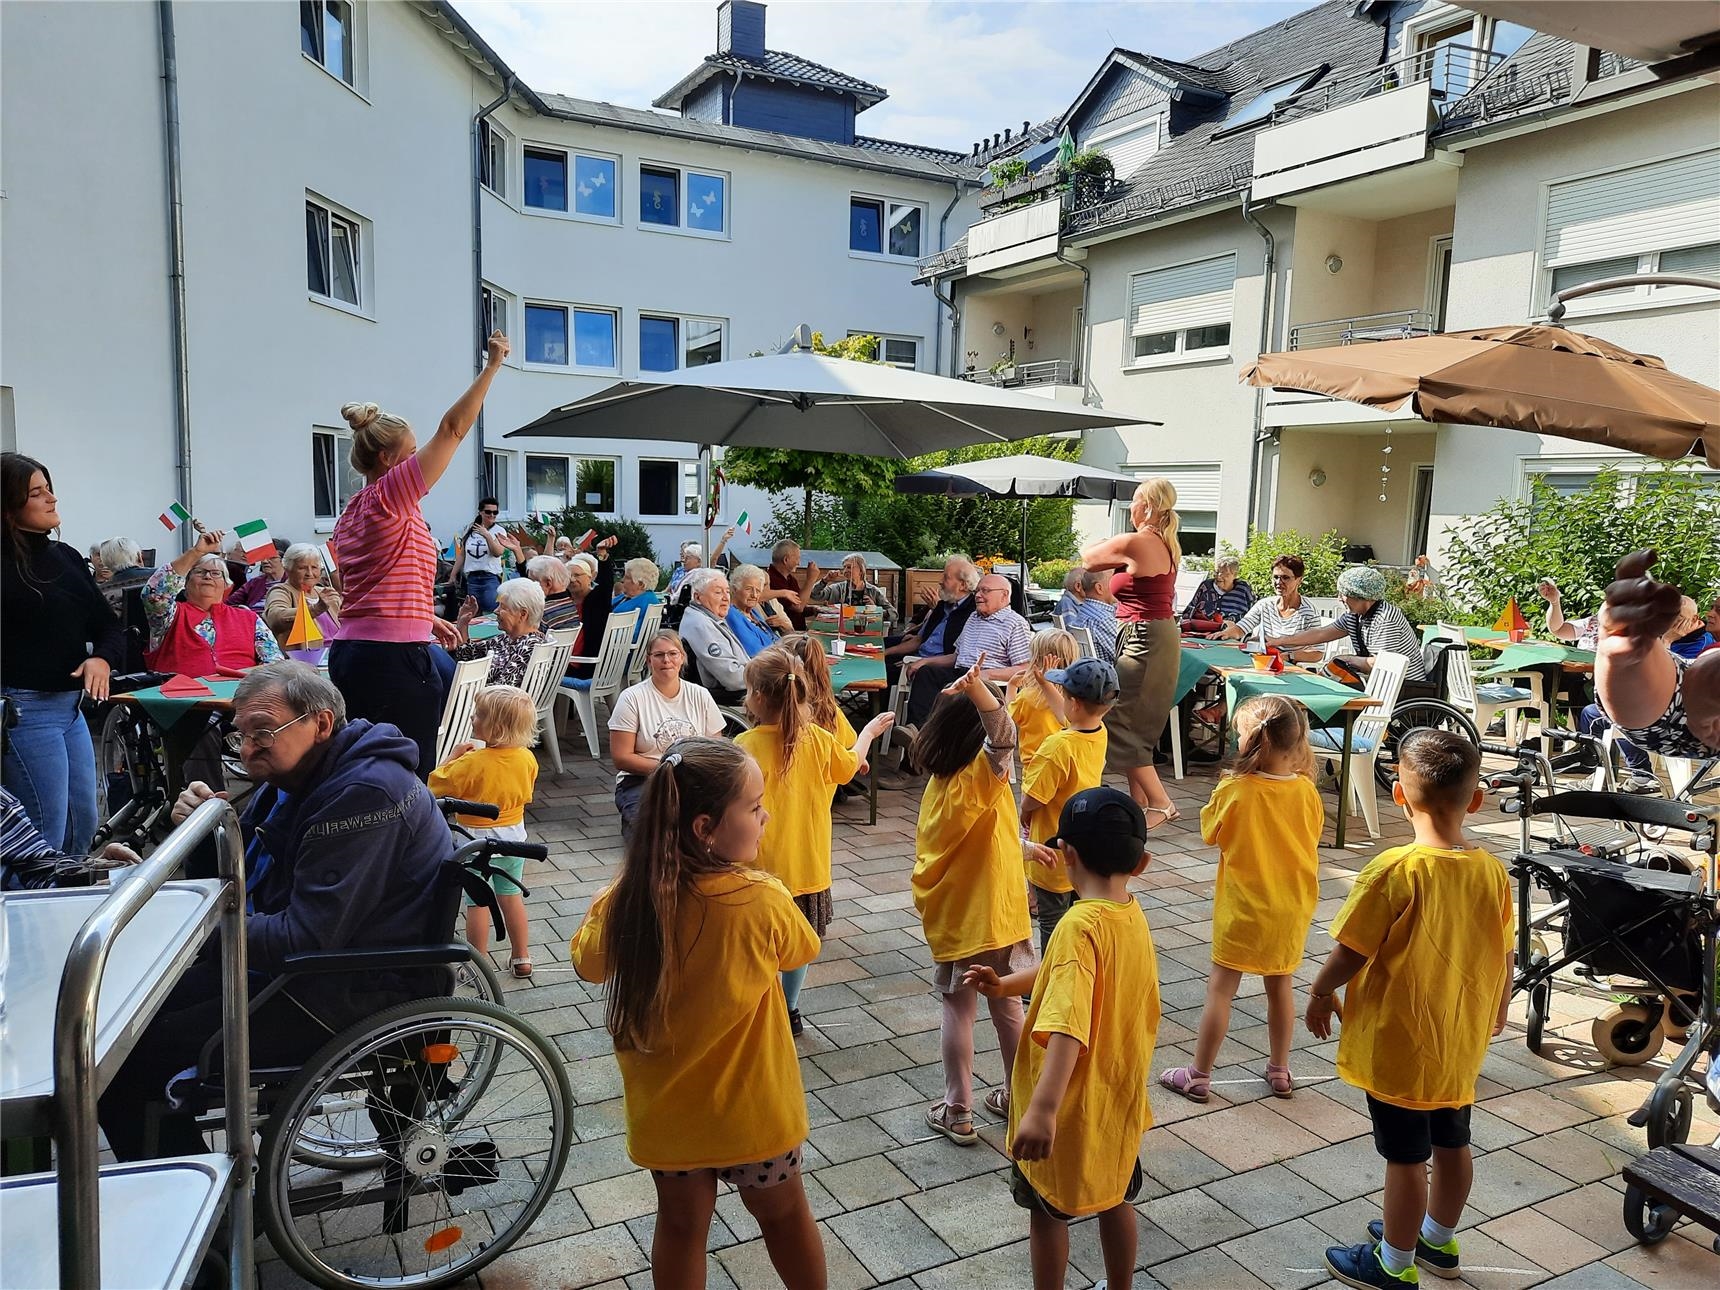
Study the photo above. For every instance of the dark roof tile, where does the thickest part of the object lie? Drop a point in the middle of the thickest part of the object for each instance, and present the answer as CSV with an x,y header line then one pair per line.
x,y
781,65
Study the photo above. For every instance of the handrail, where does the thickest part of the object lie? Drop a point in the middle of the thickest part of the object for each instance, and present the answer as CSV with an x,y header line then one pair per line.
x,y
1460,68
75,1091
1394,325
1049,371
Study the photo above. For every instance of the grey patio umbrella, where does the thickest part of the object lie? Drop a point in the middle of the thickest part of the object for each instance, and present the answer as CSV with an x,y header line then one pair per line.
x,y
1023,477
814,403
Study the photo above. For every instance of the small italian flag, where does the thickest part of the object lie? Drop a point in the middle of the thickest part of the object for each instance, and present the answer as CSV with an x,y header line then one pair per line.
x,y
744,523
174,516
254,536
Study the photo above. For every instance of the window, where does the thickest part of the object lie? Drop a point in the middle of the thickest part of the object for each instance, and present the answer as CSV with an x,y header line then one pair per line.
x,y
1197,503
332,255
495,314
1181,313
333,480
693,201
667,343
594,186
878,226
1267,101
593,336
897,351
659,196
546,179
1569,476
499,479
593,483
326,35
1661,217
668,488
1130,147
493,158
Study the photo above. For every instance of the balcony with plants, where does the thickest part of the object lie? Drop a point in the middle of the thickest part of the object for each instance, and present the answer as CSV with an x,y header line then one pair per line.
x,y
1023,208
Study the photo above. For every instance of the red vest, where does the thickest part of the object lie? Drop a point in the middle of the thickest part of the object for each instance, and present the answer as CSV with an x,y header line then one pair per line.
x,y
183,651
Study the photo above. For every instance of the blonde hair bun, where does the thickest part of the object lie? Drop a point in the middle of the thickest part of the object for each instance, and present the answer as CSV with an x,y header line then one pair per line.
x,y
360,415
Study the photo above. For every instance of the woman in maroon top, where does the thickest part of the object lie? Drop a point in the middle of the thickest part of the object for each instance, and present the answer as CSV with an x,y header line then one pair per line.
x,y
1145,561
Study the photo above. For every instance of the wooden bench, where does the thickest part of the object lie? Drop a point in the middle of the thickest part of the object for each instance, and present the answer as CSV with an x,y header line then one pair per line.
x,y
1669,1183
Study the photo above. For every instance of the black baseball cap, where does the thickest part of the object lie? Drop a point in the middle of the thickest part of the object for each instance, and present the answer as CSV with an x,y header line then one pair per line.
x,y
1092,680
1106,828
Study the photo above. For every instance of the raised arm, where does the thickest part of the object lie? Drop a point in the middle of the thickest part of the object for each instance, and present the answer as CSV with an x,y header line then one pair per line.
x,y
1558,626
435,457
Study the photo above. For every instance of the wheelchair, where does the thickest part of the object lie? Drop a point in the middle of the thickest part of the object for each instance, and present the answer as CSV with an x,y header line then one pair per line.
x,y
417,1144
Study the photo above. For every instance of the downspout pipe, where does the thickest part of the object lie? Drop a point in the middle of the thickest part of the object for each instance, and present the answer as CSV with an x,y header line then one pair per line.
x,y
948,302
176,263
1267,291
478,259
1086,328
938,330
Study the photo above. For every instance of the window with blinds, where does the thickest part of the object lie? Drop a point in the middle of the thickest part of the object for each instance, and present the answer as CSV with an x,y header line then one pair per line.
x,y
1662,217
1180,313
1197,504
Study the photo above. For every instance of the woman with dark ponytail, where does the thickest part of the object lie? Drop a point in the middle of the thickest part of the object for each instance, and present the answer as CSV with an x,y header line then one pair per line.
x,y
691,939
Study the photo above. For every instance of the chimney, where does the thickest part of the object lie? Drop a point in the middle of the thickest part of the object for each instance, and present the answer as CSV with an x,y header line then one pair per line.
x,y
1006,134
996,139
740,28
1025,127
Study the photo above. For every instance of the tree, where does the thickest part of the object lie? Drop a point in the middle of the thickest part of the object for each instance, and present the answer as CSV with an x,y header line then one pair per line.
x,y
838,474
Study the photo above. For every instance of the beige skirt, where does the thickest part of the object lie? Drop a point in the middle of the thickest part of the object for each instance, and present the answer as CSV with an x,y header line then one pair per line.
x,y
1148,654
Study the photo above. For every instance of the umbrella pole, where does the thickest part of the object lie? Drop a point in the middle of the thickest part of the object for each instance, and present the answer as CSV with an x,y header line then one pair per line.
x,y
707,481
1024,600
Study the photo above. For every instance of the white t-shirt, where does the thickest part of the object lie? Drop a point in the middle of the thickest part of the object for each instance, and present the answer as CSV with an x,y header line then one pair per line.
x,y
478,557
657,722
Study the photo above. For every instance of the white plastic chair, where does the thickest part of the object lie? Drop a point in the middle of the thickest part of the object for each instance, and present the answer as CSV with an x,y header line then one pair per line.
x,y
636,660
1329,608
1488,699
545,670
469,677
607,676
1385,680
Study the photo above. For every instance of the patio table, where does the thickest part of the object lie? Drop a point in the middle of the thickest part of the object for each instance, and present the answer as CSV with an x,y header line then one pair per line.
x,y
168,713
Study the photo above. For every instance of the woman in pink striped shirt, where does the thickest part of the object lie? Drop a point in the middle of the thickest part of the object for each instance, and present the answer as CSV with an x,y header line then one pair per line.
x,y
380,660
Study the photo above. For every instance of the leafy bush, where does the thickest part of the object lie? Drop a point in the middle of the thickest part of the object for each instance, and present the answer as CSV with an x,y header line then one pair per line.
x,y
1577,540
1006,172
1322,557
1424,610
1050,573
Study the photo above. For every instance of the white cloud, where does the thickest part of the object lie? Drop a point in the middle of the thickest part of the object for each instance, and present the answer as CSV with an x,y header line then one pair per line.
x,y
957,72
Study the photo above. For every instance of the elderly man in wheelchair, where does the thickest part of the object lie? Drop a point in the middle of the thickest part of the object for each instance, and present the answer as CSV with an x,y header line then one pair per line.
x,y
372,1079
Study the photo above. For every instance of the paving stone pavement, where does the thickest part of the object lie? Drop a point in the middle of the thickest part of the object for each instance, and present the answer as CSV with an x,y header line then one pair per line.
x,y
1245,1191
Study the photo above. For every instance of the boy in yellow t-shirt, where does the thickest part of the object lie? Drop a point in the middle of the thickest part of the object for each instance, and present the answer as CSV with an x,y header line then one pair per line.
x,y
1068,761
1078,1099
1424,945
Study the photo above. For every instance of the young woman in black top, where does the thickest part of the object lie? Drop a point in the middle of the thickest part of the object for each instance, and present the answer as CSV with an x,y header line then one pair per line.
x,y
51,614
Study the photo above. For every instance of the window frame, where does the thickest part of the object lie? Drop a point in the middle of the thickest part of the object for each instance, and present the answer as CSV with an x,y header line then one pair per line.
x,y
355,46
1181,355
570,465
687,486
683,199
682,337
1629,466
489,136
570,157
358,230
499,479
884,337
886,207
513,320
569,310
340,444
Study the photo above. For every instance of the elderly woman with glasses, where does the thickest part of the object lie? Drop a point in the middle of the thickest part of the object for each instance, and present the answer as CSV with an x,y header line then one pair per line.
x,y
303,585
519,613
1284,613
850,586
651,716
192,629
1222,598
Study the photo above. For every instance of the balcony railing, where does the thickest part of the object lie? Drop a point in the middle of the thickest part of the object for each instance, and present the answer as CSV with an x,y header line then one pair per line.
x,y
1361,329
1143,203
1051,371
1452,71
941,262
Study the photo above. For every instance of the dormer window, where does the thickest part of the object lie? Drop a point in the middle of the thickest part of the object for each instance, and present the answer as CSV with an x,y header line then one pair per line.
x,y
1267,101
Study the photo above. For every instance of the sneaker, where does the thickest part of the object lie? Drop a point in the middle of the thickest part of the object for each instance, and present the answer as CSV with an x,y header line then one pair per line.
x,y
1359,1265
1640,781
1441,1260
795,1027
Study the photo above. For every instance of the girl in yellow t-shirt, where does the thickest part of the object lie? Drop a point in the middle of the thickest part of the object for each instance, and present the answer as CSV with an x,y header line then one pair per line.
x,y
1037,707
802,764
1265,818
497,766
690,940
821,705
967,885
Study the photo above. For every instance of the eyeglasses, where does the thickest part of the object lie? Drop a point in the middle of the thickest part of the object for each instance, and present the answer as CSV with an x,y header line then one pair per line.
x,y
664,656
260,739
1284,577
207,573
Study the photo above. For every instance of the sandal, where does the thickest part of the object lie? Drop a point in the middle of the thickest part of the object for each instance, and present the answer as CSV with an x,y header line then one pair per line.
x,y
997,1102
953,1122
521,968
1195,1085
1280,1079
1168,813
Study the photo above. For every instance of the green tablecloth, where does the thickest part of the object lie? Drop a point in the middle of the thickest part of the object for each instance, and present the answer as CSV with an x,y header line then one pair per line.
x,y
853,668
1474,635
1321,696
1527,654
1196,659
480,631
166,710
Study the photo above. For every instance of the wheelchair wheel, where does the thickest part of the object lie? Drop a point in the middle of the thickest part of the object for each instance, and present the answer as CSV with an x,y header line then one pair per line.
x,y
1540,1002
1649,1221
1629,1035
460,1176
341,1135
1417,714
126,762
1669,1112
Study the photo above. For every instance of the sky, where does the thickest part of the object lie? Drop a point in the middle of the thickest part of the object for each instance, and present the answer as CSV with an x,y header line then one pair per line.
x,y
957,72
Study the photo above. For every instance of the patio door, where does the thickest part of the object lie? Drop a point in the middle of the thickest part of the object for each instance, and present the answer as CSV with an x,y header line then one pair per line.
x,y
1439,282
1420,512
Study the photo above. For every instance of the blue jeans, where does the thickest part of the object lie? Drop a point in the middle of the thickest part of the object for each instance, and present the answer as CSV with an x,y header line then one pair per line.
x,y
482,587
50,766
1593,720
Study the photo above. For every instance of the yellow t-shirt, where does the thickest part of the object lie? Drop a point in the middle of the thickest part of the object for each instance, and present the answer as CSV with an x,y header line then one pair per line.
x,y
1068,762
721,1086
796,844
504,777
967,864
1267,832
1035,722
1436,928
1099,985
844,732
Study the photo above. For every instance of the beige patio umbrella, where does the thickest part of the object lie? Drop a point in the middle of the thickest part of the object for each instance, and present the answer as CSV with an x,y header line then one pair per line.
x,y
1546,380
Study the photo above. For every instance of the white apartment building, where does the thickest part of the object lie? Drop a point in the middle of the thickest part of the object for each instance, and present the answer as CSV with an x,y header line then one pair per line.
x,y
352,222
1353,173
